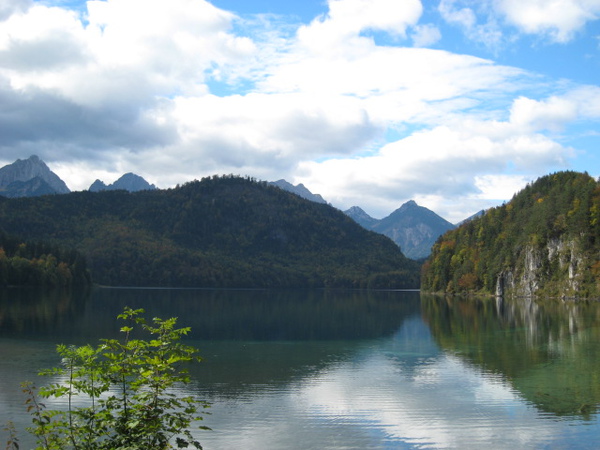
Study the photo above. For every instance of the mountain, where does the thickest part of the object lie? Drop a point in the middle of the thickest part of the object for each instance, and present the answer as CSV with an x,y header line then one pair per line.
x,y
128,182
298,189
412,227
30,188
217,232
28,178
544,242
361,217
474,216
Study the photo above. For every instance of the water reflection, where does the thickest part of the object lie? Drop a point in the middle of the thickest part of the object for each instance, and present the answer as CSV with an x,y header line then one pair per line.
x,y
548,350
37,311
213,314
346,369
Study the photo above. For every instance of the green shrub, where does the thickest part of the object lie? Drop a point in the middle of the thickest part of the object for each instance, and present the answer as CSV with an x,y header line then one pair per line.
x,y
119,395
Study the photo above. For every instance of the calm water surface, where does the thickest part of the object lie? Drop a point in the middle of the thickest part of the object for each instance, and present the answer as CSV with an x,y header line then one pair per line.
x,y
345,369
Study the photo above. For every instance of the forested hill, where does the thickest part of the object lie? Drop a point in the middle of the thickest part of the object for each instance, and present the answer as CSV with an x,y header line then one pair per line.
x,y
545,241
217,232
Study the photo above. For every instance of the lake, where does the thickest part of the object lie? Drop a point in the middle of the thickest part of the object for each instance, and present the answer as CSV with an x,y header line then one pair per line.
x,y
325,369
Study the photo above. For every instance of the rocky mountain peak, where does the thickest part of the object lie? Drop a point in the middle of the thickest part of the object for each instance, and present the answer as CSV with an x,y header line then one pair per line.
x,y
361,217
412,227
411,204
299,189
23,171
127,182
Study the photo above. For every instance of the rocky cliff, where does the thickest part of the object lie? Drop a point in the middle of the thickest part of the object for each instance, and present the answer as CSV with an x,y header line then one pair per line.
x,y
559,266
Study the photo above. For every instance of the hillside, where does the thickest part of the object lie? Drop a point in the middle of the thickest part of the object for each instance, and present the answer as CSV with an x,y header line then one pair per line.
x,y
218,232
544,242
38,264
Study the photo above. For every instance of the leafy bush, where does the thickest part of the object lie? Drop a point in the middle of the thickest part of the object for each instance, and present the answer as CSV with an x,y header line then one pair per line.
x,y
119,395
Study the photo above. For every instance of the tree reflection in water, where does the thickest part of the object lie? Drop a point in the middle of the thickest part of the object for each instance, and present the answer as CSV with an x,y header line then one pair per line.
x,y
549,350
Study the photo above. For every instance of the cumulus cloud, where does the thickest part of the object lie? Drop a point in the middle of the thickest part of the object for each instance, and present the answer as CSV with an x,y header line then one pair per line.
x,y
348,18
121,50
152,87
9,7
560,20
425,35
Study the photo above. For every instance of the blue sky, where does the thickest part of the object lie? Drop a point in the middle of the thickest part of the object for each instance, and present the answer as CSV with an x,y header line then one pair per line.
x,y
456,104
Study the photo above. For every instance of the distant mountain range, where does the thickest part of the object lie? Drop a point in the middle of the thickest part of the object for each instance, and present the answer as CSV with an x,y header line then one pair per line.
x,y
412,227
31,178
128,182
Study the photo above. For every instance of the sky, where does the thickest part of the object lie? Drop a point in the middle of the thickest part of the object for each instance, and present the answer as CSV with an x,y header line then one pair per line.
x,y
456,104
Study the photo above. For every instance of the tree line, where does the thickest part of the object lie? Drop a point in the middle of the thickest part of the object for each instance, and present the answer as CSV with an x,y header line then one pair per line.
x,y
40,264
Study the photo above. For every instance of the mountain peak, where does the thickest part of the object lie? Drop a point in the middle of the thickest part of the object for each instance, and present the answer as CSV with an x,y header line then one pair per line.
x,y
25,170
127,182
411,204
299,189
414,228
361,217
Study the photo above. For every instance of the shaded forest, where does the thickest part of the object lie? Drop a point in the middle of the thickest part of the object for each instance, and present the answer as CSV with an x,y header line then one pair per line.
x,y
40,264
218,232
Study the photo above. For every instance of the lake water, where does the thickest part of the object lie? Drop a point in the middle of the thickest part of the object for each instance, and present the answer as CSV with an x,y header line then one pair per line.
x,y
345,369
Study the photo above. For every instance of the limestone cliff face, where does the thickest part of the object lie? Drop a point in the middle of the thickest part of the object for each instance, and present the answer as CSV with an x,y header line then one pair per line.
x,y
560,264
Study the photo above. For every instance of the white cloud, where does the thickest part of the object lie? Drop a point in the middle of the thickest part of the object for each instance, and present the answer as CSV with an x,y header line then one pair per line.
x,y
425,35
468,18
348,18
40,40
125,51
557,20
9,7
464,17
560,20
271,130
499,187
556,112
552,114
